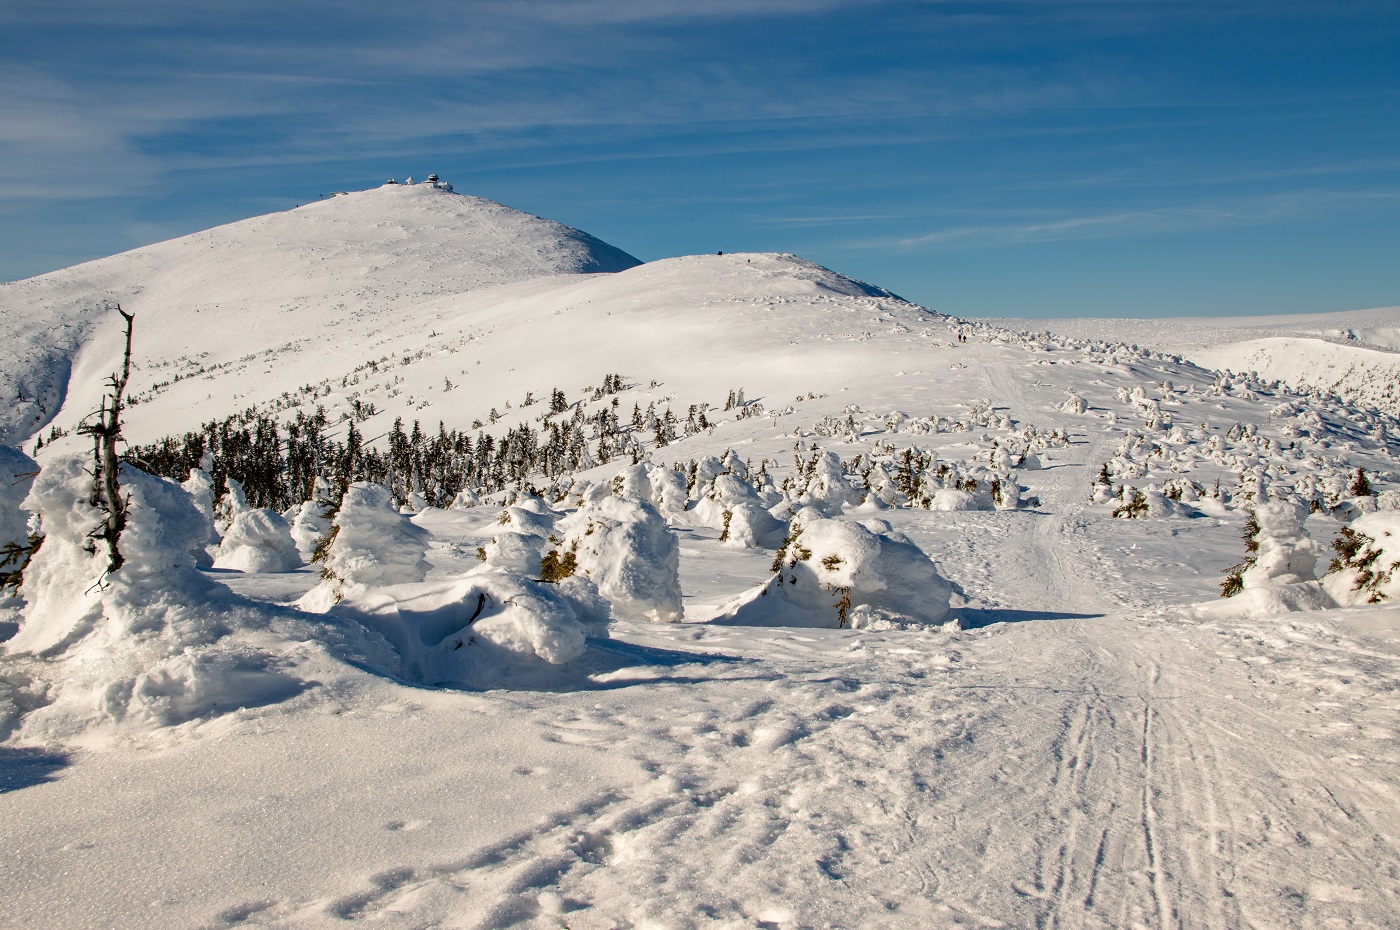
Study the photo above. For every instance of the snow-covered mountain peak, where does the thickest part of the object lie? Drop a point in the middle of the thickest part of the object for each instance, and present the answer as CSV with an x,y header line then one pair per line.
x,y
246,286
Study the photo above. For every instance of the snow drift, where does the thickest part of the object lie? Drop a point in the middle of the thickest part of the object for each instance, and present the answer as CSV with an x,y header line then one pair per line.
x,y
838,573
489,628
154,644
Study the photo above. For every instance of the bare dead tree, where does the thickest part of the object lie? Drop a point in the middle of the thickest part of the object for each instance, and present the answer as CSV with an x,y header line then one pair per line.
x,y
106,491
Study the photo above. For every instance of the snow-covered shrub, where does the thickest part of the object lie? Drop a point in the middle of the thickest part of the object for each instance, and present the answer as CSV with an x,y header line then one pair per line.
x,y
663,488
528,521
1278,572
1006,494
1367,567
370,544
465,500
200,488
838,573
625,548
155,643
517,553
733,507
487,628
668,489
952,499
258,541
827,488
234,502
1284,553
1075,404
309,525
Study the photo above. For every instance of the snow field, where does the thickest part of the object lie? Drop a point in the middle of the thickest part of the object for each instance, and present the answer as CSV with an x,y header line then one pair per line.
x,y
1035,725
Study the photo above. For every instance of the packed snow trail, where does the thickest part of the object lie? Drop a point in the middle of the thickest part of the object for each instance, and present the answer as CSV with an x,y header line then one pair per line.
x,y
1125,771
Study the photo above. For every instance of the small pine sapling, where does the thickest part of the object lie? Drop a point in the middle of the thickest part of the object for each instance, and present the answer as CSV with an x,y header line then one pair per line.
x,y
1359,551
1360,485
1234,575
1134,508
555,567
17,555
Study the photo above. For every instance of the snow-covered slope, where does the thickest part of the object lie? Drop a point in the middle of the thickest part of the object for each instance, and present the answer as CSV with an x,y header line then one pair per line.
x,y
318,279
1355,354
774,324
413,739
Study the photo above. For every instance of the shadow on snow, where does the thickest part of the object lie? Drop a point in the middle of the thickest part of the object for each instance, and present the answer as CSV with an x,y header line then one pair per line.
x,y
973,618
22,767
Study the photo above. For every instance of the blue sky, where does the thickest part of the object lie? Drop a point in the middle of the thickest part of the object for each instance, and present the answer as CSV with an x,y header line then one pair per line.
x,y
1123,157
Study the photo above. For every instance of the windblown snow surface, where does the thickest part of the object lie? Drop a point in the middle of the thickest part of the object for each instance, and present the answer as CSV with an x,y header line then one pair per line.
x,y
1082,746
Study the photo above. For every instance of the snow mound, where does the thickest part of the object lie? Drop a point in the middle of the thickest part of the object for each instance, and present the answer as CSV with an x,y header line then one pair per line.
x,y
489,628
155,644
258,541
373,545
838,573
624,547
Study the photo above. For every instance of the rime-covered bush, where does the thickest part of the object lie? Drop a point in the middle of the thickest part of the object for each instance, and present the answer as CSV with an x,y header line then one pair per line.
x,y
153,643
828,489
258,541
517,553
234,502
663,488
1366,569
733,507
623,546
309,525
371,544
838,573
465,500
1279,568
200,488
1286,553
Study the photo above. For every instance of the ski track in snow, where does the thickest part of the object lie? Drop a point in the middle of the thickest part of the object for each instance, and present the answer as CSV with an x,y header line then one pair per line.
x,y
948,780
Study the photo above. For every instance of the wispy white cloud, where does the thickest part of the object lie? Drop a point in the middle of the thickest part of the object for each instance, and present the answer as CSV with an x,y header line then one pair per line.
x,y
1229,212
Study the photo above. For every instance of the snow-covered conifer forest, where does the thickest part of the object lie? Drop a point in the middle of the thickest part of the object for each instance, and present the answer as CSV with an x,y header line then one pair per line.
x,y
475,574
